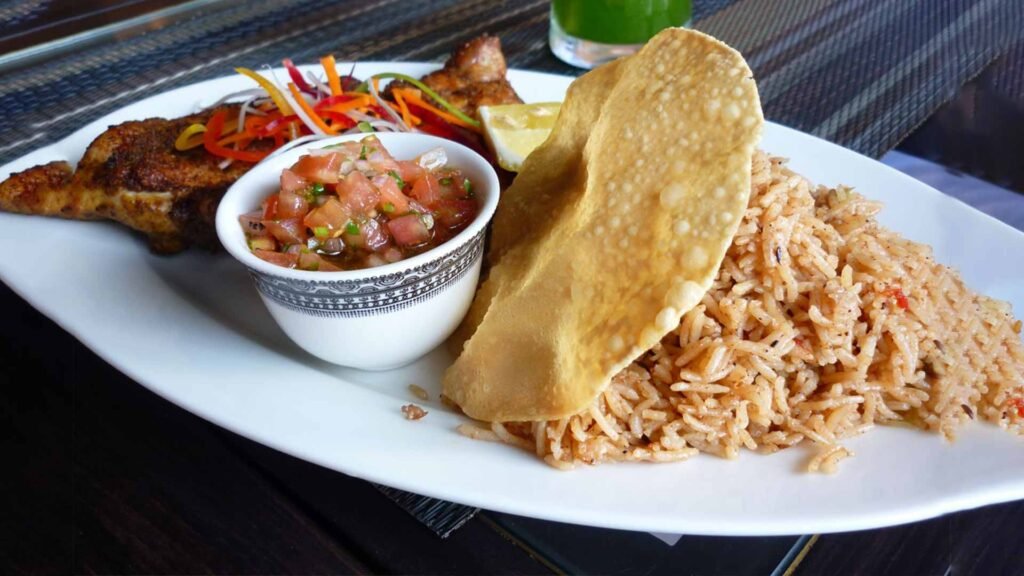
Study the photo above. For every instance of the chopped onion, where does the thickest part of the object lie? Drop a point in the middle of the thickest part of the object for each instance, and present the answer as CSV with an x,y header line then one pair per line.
x,y
242,111
320,86
380,102
252,109
251,92
428,220
433,159
377,123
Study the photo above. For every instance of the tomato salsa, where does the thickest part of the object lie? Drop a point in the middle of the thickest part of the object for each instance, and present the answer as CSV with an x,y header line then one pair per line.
x,y
352,205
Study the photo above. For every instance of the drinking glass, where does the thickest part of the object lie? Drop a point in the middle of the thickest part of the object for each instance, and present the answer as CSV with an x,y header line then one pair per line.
x,y
586,33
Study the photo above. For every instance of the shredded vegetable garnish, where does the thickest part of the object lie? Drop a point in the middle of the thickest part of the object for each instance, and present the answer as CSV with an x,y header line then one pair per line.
x,y
279,115
433,95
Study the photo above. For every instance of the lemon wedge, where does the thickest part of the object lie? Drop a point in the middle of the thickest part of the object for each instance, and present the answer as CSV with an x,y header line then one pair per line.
x,y
514,130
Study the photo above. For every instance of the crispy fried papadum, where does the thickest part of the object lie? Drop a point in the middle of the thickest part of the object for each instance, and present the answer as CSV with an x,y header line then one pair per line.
x,y
615,227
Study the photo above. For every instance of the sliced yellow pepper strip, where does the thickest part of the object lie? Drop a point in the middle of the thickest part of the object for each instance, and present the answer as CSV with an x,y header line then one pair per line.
x,y
275,94
187,140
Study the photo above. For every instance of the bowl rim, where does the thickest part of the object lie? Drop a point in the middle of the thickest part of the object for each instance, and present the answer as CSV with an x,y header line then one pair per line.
x,y
225,218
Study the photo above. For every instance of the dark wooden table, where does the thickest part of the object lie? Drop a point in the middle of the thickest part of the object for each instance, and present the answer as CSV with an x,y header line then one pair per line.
x,y
106,477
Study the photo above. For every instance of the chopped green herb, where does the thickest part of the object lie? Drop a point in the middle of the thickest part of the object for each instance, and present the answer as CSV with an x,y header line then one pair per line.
x,y
316,189
364,126
467,186
398,179
362,152
352,228
321,231
388,207
445,181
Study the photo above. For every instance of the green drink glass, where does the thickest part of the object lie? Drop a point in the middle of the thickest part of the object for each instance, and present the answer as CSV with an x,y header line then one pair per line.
x,y
586,33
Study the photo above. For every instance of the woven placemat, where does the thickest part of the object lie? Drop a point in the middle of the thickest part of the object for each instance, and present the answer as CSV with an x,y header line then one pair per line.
x,y
861,73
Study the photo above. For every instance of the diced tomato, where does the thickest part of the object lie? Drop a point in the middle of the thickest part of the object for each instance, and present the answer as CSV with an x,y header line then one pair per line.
x,y
896,293
327,266
379,159
312,261
409,230
262,243
1018,403
332,215
392,201
453,184
348,150
292,204
392,254
292,182
409,171
357,195
371,236
252,224
455,212
309,261
278,258
287,231
323,168
270,208
363,207
426,191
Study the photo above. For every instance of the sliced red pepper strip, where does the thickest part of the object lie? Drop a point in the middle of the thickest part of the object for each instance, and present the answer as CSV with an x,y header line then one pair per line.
x,y
332,100
297,76
437,126
338,120
213,132
275,126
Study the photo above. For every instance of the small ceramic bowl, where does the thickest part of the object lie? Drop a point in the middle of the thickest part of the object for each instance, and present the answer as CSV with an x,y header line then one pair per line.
x,y
376,318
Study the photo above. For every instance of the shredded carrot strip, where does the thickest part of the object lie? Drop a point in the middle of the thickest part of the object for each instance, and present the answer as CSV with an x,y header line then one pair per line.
x,y
407,116
414,98
330,68
360,102
309,110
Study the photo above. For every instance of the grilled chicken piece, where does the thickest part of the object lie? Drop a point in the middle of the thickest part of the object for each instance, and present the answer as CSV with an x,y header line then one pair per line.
x,y
474,76
132,174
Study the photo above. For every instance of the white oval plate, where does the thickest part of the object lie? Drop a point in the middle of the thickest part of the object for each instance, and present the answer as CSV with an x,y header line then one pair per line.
x,y
191,328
